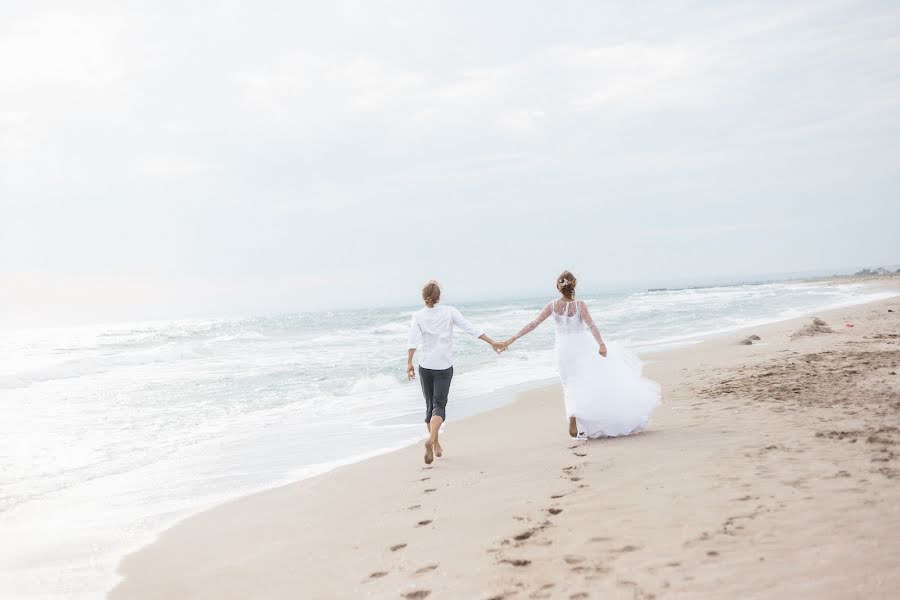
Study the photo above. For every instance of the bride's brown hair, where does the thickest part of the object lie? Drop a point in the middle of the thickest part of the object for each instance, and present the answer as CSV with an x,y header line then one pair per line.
x,y
431,293
565,283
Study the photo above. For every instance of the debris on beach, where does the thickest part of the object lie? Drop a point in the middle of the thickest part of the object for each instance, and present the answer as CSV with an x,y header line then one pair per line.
x,y
817,327
747,341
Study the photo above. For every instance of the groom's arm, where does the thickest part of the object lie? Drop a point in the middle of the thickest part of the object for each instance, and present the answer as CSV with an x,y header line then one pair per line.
x,y
411,345
410,369
461,322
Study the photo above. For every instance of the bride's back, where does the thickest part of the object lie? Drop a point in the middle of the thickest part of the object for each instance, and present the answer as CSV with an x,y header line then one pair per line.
x,y
567,316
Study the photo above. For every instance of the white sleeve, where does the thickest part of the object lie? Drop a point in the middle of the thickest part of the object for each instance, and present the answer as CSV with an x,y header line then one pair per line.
x,y
415,334
461,322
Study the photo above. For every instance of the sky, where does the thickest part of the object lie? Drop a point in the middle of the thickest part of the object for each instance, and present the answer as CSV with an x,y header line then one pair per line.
x,y
175,159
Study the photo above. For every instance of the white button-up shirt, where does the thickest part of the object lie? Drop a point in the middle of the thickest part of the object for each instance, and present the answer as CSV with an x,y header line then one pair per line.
x,y
431,332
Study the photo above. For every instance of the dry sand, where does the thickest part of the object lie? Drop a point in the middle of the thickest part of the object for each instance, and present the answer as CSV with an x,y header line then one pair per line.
x,y
770,471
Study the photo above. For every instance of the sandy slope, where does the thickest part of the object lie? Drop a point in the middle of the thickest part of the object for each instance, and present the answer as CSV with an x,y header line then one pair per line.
x,y
769,472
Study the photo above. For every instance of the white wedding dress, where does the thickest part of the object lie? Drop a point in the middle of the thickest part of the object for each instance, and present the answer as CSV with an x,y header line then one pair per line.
x,y
607,396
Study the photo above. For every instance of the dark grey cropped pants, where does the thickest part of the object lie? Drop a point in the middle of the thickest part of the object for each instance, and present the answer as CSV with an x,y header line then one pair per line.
x,y
436,389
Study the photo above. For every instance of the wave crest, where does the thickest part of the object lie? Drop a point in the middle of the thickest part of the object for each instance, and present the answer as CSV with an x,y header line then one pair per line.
x,y
376,383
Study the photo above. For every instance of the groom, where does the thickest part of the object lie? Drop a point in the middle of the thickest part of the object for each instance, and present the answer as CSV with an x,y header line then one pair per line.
x,y
431,330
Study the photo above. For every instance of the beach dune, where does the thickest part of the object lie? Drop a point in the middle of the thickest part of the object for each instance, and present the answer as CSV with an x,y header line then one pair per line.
x,y
770,471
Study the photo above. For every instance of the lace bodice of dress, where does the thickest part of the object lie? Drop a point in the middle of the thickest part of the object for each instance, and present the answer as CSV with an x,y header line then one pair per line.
x,y
570,316
567,317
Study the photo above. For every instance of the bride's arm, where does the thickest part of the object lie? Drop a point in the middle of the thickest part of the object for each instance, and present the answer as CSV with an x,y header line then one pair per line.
x,y
586,317
531,326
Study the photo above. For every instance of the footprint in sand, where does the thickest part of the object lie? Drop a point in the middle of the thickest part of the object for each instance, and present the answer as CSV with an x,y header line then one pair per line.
x,y
581,454
517,562
599,572
377,574
426,568
414,507
529,532
425,479
573,560
398,547
580,569
422,523
578,596
417,594
554,511
429,490
556,496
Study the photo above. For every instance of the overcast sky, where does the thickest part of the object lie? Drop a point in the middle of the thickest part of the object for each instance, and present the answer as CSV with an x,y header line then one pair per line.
x,y
166,159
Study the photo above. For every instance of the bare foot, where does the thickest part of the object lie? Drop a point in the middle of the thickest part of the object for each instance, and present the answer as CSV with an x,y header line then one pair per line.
x,y
573,428
429,452
438,451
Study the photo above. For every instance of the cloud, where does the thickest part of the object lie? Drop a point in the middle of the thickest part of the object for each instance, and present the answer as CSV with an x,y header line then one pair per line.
x,y
520,121
54,49
174,142
175,166
637,76
305,89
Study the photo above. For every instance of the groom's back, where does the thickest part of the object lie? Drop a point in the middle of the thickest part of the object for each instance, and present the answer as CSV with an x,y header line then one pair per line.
x,y
432,334
435,321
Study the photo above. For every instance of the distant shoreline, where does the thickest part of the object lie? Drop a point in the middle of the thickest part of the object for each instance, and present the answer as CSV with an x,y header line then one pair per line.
x,y
830,279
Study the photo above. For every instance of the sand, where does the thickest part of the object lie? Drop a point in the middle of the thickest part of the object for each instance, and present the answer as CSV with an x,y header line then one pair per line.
x,y
770,471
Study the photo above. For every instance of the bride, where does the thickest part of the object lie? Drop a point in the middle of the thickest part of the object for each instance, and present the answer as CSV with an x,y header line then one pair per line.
x,y
605,396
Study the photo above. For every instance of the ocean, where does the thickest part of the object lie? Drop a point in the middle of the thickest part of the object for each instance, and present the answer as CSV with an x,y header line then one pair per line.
x,y
110,433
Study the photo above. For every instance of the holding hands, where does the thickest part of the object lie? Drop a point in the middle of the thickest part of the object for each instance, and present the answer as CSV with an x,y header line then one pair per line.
x,y
502,346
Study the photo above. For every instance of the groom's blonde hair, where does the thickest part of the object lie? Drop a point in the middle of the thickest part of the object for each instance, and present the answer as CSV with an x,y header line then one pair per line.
x,y
431,293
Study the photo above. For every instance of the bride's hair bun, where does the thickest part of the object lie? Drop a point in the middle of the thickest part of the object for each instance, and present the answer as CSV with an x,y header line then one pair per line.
x,y
565,283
